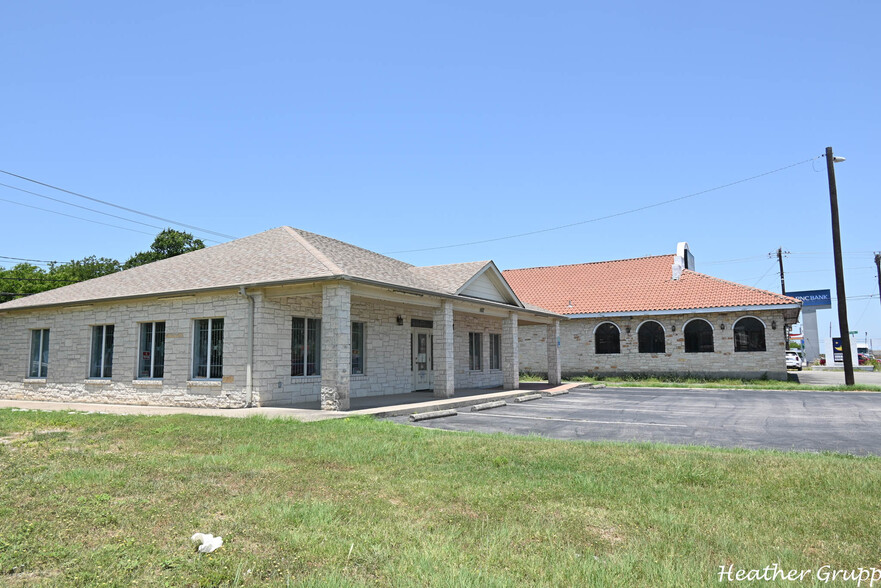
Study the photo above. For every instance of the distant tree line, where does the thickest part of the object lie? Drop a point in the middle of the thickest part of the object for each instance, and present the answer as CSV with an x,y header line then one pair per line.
x,y
24,278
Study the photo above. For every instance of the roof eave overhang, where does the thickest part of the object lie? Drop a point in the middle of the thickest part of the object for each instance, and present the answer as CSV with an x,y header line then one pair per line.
x,y
193,292
744,308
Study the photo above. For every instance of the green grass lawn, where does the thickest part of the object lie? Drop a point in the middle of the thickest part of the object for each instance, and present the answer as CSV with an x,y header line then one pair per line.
x,y
88,499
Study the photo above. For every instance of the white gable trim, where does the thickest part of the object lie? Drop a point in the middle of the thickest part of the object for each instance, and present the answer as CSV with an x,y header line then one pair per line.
x,y
498,281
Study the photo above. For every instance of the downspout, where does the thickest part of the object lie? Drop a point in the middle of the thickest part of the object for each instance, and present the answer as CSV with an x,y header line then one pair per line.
x,y
249,381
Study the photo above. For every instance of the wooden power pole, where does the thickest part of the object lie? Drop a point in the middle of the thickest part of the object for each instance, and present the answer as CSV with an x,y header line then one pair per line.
x,y
839,271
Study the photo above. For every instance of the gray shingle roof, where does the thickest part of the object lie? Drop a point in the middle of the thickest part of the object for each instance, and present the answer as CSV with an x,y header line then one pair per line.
x,y
281,255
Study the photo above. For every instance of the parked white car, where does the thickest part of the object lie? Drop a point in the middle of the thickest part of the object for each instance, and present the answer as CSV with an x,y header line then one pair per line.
x,y
794,361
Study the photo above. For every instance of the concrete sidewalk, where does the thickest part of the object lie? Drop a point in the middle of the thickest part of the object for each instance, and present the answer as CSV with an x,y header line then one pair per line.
x,y
299,414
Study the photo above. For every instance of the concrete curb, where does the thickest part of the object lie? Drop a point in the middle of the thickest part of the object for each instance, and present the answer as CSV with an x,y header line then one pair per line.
x,y
488,405
528,397
423,416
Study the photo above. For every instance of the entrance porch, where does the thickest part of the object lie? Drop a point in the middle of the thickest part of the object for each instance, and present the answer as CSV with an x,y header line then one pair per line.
x,y
342,346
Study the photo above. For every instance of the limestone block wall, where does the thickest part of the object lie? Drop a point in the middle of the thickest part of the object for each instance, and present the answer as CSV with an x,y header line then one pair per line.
x,y
70,332
577,348
386,359
472,323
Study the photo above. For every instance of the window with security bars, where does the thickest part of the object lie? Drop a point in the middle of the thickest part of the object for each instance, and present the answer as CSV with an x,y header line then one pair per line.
x,y
39,365
357,348
749,335
208,349
607,339
698,337
651,338
151,352
305,346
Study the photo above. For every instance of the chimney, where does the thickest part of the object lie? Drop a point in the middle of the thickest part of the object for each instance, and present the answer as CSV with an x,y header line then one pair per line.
x,y
678,262
683,251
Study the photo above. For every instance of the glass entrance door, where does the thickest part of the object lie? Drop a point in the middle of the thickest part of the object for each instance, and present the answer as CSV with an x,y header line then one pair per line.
x,y
422,359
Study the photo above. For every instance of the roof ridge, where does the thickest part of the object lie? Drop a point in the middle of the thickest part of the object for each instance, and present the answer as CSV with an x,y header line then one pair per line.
x,y
753,288
363,250
322,258
483,261
589,262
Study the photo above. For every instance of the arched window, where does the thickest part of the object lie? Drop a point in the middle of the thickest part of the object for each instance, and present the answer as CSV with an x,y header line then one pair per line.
x,y
749,335
698,337
651,338
608,338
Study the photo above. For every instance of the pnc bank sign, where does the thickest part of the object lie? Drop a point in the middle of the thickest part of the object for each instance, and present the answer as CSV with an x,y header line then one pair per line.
x,y
813,299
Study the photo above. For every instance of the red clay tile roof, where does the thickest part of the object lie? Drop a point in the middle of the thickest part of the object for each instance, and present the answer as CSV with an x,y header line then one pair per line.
x,y
631,285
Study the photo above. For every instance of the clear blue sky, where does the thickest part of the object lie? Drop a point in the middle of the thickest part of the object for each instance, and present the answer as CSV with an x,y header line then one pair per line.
x,y
407,125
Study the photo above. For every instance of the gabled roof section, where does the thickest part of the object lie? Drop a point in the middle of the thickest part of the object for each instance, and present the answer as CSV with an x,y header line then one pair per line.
x,y
450,277
489,284
277,256
637,285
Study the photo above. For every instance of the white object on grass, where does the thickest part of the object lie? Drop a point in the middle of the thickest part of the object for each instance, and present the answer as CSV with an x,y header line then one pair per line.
x,y
207,542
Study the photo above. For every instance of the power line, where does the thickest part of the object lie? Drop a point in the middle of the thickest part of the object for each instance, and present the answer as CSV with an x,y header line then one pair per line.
x,y
80,206
74,216
106,203
831,269
30,260
3,279
89,209
606,217
763,275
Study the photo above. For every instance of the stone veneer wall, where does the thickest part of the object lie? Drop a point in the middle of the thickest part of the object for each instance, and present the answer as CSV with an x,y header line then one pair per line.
x,y
472,323
387,360
387,355
578,357
70,333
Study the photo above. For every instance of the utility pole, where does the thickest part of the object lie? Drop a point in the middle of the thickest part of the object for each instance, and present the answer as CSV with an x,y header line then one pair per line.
x,y
878,268
843,331
780,254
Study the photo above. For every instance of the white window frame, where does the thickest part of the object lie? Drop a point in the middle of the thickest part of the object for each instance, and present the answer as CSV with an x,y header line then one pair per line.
x,y
475,352
104,367
495,351
41,361
208,364
317,329
152,350
362,348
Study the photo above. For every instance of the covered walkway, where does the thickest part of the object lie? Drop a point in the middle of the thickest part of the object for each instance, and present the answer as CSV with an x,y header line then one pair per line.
x,y
378,406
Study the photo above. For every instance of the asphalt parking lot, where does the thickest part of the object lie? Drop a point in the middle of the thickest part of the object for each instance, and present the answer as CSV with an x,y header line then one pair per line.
x,y
756,419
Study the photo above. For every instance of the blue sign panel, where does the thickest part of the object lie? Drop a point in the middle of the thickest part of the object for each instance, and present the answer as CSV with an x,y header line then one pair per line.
x,y
816,299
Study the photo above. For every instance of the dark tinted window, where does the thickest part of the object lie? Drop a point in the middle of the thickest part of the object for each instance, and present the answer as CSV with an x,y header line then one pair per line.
x,y
698,337
608,339
651,338
749,335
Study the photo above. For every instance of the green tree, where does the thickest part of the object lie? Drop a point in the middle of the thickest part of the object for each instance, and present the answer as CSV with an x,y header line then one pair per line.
x,y
23,279
84,269
168,243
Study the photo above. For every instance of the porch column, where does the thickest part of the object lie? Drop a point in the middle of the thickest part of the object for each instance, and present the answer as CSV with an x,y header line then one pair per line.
x,y
336,346
444,358
554,353
510,353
